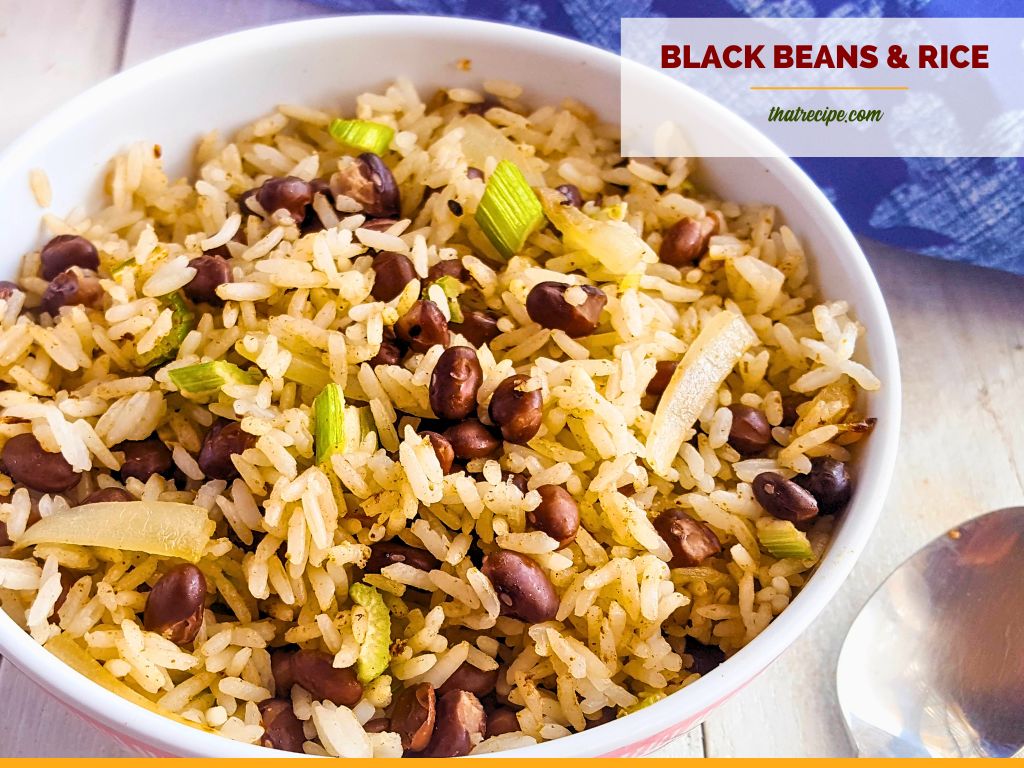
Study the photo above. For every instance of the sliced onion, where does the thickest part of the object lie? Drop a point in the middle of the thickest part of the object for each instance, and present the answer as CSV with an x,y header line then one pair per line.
x,y
482,140
613,243
712,356
161,528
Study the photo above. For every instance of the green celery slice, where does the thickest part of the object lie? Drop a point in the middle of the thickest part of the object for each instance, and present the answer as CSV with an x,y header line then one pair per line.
x,y
509,212
210,376
302,369
329,422
358,424
780,538
375,652
452,288
182,322
363,135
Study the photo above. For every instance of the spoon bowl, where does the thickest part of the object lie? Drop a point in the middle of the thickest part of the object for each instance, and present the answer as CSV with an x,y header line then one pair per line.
x,y
933,666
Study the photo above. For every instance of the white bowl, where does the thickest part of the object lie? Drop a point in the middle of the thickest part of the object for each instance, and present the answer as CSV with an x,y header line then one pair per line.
x,y
225,82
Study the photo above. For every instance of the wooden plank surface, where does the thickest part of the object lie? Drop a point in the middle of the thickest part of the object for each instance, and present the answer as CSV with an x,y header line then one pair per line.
x,y
961,336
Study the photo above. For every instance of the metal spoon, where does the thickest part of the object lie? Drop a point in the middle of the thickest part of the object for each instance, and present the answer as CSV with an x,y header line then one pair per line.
x,y
934,664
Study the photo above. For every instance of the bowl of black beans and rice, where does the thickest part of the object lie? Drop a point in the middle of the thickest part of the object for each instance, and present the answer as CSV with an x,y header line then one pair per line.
x,y
392,412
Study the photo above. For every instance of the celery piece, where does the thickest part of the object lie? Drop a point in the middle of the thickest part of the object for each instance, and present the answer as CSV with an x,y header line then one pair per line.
x,y
452,288
782,539
209,377
329,422
375,652
706,364
302,369
358,424
509,212
362,135
182,322
615,244
165,528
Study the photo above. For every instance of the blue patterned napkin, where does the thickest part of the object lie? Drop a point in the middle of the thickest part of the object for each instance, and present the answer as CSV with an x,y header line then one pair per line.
x,y
960,209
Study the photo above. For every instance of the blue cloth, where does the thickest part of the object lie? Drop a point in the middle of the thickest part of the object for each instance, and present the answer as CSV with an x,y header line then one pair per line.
x,y
960,209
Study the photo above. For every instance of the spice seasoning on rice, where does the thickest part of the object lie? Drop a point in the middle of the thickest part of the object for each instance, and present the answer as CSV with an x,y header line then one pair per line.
x,y
347,440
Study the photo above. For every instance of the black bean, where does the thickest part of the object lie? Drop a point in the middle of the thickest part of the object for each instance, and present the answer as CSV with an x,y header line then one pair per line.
x,y
66,251
423,326
455,207
502,720
281,728
413,716
686,241
224,440
144,458
7,289
691,541
385,553
108,495
605,715
789,412
829,483
243,202
211,271
459,725
175,605
750,433
523,588
471,440
662,376
377,725
442,449
480,107
28,464
557,515
73,286
389,353
67,581
379,225
572,195
478,328
518,479
547,306
705,657
312,222
517,412
783,498
474,173
391,273
288,193
369,182
315,671
470,678
447,268
454,383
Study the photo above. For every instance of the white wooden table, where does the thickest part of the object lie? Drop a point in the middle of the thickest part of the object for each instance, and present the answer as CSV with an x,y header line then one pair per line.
x,y
961,340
